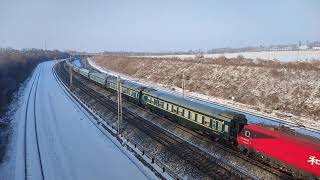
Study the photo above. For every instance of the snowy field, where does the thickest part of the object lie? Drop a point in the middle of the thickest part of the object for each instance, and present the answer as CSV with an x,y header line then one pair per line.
x,y
70,146
285,56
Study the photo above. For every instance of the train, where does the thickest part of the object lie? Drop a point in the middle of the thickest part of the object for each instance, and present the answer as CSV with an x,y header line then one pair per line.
x,y
297,155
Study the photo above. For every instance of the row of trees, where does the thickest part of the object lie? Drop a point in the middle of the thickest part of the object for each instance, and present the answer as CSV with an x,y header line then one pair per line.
x,y
16,66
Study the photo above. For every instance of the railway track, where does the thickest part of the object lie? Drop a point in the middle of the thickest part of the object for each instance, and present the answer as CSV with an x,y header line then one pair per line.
x,y
251,160
279,174
32,168
208,165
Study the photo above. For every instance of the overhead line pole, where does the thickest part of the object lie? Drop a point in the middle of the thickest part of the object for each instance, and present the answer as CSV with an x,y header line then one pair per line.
x,y
119,104
183,84
70,72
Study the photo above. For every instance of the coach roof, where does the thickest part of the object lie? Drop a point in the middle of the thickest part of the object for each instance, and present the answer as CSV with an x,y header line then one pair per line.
x,y
192,104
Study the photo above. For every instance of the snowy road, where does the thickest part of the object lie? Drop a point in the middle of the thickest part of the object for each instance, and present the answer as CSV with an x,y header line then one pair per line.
x,y
55,139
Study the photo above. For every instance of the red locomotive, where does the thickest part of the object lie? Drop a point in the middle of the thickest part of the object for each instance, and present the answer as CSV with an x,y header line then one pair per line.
x,y
287,150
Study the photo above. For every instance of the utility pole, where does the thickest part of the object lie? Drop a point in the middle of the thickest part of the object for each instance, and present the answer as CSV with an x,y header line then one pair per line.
x,y
70,72
300,44
183,84
119,104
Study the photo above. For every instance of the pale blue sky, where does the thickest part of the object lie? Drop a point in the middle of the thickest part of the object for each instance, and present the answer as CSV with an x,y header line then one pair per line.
x,y
156,25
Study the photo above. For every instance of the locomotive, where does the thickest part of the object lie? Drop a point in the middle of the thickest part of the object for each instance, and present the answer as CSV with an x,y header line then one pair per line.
x,y
297,155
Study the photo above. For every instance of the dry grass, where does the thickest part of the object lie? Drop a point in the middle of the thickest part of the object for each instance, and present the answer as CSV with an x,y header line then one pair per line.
x,y
290,87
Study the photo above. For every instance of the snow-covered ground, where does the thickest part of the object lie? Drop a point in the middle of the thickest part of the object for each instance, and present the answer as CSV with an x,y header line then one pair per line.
x,y
70,145
284,56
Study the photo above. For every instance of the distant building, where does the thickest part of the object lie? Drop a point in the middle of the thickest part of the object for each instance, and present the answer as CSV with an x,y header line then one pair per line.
x,y
316,48
282,48
303,47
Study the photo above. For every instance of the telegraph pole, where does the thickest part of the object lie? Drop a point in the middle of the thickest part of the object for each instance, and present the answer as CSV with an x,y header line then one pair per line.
x,y
119,103
70,72
183,84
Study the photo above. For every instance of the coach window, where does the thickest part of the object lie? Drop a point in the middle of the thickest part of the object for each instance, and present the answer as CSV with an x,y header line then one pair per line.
x,y
152,100
219,126
161,104
199,118
186,113
174,109
206,121
192,116
213,124
180,111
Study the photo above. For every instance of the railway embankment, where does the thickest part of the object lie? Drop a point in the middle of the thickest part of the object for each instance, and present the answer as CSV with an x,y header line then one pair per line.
x,y
285,90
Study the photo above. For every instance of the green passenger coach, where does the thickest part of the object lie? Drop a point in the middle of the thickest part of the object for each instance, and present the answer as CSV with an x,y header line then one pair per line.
x,y
199,115
98,78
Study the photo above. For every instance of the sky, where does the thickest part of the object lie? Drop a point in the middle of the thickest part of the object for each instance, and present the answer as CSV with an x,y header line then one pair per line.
x,y
156,25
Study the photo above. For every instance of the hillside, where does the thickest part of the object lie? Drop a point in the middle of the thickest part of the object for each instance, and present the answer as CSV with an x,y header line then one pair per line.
x,y
264,85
